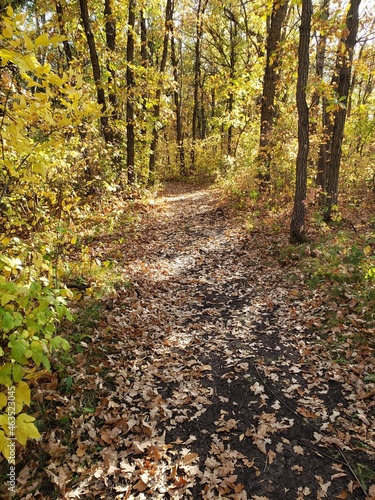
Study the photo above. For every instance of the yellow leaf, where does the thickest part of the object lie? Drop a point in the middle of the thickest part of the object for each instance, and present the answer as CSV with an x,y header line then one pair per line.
x,y
55,79
40,169
3,400
57,38
4,448
6,298
10,11
7,33
28,43
42,40
4,420
25,429
22,396
4,240
367,250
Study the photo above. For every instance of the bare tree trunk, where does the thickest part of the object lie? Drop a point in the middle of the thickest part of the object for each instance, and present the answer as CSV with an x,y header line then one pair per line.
x,y
315,101
297,226
110,30
66,44
178,109
155,133
270,79
100,95
344,64
130,136
233,31
201,7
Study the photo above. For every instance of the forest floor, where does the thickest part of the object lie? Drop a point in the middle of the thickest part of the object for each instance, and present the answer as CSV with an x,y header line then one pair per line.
x,y
204,377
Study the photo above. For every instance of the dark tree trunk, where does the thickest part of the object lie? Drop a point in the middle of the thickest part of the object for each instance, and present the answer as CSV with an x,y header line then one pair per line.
x,y
202,4
110,30
297,226
163,63
66,44
232,63
344,64
100,95
270,79
130,136
316,100
178,107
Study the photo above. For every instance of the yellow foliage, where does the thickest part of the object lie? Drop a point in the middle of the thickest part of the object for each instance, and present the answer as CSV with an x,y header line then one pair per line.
x,y
25,429
22,396
3,400
4,448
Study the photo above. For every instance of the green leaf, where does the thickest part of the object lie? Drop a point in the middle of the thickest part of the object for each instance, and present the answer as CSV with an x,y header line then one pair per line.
x,y
7,322
5,374
59,342
18,350
35,287
17,372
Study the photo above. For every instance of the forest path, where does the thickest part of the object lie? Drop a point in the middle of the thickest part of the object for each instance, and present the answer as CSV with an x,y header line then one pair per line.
x,y
224,369
200,380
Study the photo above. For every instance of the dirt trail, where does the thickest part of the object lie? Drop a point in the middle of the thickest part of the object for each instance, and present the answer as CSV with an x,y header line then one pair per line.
x,y
204,381
228,371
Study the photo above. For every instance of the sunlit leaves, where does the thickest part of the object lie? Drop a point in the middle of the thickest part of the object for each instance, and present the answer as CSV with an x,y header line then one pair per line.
x,y
25,428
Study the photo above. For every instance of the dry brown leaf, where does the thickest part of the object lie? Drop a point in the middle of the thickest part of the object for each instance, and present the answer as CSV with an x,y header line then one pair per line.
x,y
189,458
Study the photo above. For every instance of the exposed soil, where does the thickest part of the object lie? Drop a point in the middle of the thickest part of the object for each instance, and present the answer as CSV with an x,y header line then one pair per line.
x,y
203,379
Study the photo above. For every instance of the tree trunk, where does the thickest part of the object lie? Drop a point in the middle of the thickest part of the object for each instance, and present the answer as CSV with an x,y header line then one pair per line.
x,y
130,136
100,95
202,4
232,63
297,226
66,44
110,30
315,101
178,107
163,63
344,64
270,79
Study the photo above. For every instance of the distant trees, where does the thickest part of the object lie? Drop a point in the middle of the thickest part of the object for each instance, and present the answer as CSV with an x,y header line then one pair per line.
x,y
208,87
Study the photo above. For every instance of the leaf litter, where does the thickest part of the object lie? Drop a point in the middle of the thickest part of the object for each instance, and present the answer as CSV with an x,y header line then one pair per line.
x,y
204,379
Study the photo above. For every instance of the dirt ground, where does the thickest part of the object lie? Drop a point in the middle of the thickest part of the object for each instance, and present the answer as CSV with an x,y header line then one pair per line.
x,y
203,379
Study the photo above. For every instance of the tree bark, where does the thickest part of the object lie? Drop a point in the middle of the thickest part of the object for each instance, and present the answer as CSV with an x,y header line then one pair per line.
x,y
297,226
163,63
110,30
100,95
130,136
316,100
178,107
270,79
233,34
344,63
66,44
202,4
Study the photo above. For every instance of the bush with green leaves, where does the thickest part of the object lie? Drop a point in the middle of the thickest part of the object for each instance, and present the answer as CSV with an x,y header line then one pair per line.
x,y
30,310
